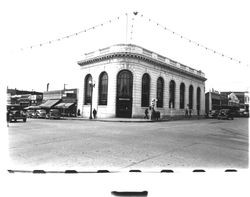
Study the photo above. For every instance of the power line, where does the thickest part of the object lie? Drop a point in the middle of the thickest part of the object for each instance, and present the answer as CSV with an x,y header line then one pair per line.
x,y
73,34
198,44
134,15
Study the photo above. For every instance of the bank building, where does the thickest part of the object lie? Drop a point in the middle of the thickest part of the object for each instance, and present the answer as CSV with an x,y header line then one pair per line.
x,y
122,80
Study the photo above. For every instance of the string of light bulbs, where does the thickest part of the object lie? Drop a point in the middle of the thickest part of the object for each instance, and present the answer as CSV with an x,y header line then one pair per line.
x,y
198,44
73,34
134,15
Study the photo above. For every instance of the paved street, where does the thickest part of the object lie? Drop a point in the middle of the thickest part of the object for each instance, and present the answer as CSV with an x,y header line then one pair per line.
x,y
93,145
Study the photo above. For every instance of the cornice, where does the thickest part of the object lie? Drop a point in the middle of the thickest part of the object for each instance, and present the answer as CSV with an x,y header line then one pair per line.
x,y
119,55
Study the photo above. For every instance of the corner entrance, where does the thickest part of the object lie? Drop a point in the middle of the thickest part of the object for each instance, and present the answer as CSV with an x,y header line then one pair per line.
x,y
124,91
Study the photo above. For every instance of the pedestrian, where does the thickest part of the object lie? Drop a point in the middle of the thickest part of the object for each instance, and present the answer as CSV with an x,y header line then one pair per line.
x,y
186,111
8,118
198,111
171,110
94,113
146,114
78,112
152,113
190,113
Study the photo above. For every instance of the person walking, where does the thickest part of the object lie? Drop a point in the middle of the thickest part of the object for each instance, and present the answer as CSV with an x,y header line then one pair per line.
x,y
8,118
186,111
190,113
94,113
146,114
198,111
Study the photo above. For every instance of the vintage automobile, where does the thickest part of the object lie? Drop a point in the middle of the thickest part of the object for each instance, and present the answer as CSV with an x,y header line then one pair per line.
x,y
40,113
54,114
15,112
242,113
246,114
226,114
213,114
30,113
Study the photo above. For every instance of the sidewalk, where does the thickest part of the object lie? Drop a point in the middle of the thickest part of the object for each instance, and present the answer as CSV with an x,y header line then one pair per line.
x,y
110,119
128,119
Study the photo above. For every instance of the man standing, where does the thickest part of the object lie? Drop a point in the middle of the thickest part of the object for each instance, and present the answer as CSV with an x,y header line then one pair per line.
x,y
186,111
198,111
146,113
8,118
94,113
190,113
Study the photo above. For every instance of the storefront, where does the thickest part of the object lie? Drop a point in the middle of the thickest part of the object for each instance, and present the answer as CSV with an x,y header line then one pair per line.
x,y
64,100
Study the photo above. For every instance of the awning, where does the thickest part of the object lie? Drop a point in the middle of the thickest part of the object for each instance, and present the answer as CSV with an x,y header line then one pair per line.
x,y
64,105
32,107
49,103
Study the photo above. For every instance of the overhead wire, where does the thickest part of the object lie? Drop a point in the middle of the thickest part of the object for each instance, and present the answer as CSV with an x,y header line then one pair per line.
x,y
191,41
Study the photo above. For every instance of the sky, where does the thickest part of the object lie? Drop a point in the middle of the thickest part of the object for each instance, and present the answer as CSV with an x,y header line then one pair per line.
x,y
220,25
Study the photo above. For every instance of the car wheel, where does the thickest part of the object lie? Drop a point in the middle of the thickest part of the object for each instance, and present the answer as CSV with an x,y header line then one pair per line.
x,y
24,120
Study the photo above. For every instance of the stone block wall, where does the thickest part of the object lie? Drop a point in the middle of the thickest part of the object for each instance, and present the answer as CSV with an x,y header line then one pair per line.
x,y
138,68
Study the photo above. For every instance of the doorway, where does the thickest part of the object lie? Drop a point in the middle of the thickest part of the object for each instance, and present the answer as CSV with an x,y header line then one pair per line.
x,y
124,93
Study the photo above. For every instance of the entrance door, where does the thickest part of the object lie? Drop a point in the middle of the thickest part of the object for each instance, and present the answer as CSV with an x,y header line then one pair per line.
x,y
124,94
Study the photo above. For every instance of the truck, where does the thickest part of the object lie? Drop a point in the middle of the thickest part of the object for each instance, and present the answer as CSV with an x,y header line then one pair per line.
x,y
15,112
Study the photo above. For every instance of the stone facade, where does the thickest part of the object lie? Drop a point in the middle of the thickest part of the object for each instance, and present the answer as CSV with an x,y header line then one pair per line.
x,y
138,60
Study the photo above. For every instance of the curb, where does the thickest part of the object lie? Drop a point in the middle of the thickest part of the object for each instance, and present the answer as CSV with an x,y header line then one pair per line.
x,y
129,120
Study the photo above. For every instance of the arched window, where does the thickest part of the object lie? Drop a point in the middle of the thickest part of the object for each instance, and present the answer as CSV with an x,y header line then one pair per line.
x,y
124,84
103,88
145,90
88,80
198,95
191,92
172,94
182,96
160,88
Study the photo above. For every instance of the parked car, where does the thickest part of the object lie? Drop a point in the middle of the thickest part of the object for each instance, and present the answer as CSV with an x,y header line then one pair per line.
x,y
246,114
15,112
30,113
40,113
226,114
242,113
213,113
54,114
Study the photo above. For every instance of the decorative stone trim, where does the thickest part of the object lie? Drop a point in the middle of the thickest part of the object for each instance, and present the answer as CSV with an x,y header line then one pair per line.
x,y
152,60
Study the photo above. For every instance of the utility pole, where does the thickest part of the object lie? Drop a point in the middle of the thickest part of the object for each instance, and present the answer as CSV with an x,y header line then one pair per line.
x,y
64,85
92,85
126,28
